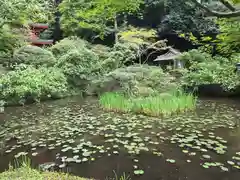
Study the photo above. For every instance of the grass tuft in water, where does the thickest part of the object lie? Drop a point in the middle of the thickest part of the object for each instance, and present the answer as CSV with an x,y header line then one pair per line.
x,y
124,176
158,105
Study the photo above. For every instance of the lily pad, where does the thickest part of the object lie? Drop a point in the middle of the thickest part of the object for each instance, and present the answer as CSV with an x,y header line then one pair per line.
x,y
171,160
206,156
138,172
86,154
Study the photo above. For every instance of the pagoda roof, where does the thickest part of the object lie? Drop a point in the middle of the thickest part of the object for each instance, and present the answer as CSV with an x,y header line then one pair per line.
x,y
39,25
171,54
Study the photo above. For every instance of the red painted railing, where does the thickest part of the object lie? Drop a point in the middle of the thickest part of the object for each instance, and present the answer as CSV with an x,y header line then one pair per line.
x,y
36,29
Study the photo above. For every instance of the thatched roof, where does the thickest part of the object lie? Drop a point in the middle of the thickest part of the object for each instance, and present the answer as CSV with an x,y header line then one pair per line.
x,y
171,54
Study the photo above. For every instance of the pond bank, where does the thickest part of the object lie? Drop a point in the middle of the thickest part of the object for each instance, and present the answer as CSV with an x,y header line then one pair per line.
x,y
27,173
213,90
203,91
79,138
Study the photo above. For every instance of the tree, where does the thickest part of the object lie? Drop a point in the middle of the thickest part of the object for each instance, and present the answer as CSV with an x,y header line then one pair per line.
x,y
182,16
98,15
16,13
21,11
234,11
229,25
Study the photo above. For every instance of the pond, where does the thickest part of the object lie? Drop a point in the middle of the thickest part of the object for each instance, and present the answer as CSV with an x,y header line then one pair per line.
x,y
74,135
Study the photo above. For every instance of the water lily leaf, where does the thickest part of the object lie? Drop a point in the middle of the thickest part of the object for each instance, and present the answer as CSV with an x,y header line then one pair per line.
x,y
230,162
34,154
115,152
8,151
170,160
135,167
86,154
136,160
101,151
84,159
62,165
236,158
206,156
205,166
66,149
20,154
224,168
192,154
138,172
78,161
75,157
70,160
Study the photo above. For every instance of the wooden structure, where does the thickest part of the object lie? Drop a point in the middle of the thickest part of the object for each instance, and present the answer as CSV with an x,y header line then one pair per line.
x,y
36,29
170,57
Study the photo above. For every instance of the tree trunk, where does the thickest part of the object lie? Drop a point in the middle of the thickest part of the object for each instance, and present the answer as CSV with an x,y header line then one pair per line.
x,y
116,29
216,13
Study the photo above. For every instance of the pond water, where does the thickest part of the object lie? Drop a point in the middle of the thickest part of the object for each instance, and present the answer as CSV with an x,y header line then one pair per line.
x,y
76,136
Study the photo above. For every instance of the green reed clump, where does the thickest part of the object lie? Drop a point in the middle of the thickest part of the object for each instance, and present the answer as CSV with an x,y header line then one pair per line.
x,y
157,105
115,102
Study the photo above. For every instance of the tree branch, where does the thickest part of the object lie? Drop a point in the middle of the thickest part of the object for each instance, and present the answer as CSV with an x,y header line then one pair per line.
x,y
215,13
228,5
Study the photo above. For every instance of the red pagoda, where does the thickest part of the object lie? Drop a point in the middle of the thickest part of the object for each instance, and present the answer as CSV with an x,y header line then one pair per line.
x,y
36,29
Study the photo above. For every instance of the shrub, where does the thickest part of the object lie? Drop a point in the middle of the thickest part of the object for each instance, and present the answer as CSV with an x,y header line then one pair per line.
x,y
102,51
136,80
194,56
162,104
33,55
5,58
64,46
120,54
204,69
32,84
10,39
79,66
202,73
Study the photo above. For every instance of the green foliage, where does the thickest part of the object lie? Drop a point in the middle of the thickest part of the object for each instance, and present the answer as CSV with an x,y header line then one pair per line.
x,y
31,84
203,40
33,55
94,14
194,56
136,80
229,79
139,36
204,69
79,65
229,37
236,1
23,11
14,14
184,16
9,40
67,44
227,41
120,54
81,61
159,105
4,58
101,50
